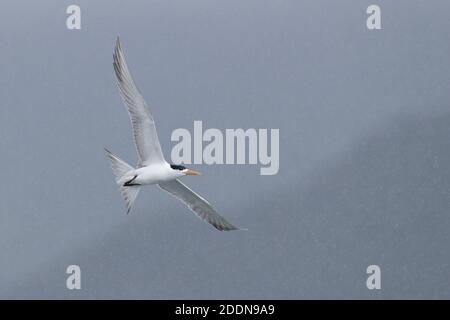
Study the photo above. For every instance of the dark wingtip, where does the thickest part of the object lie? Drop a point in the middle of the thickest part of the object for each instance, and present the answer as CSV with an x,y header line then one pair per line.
x,y
108,153
116,51
232,228
229,227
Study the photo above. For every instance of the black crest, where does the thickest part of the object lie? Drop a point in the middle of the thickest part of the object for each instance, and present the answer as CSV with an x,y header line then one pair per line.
x,y
177,167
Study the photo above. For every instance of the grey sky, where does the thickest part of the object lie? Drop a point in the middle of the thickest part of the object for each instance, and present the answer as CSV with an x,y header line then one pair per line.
x,y
364,125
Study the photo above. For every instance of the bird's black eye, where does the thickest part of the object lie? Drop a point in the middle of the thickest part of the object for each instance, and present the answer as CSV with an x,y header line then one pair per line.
x,y
177,167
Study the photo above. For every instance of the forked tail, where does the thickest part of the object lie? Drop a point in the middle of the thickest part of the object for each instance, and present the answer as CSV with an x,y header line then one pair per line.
x,y
120,170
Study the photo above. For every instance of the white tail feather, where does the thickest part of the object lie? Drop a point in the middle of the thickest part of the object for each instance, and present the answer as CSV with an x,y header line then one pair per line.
x,y
130,194
120,169
118,166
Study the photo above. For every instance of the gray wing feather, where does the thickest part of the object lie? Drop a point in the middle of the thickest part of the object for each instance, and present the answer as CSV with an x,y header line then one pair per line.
x,y
144,129
201,207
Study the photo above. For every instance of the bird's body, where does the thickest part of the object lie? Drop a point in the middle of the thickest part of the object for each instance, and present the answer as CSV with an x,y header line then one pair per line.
x,y
152,167
151,174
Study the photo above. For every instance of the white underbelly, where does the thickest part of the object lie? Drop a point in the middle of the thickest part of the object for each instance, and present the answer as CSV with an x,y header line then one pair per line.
x,y
153,175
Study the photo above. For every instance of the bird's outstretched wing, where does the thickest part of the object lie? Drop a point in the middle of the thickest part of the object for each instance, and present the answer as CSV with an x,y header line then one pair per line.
x,y
197,204
144,129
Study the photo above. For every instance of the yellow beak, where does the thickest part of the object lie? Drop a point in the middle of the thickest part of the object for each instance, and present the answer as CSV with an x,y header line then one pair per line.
x,y
192,173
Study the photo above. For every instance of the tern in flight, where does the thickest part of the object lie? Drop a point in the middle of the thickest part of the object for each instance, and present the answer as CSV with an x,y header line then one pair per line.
x,y
152,168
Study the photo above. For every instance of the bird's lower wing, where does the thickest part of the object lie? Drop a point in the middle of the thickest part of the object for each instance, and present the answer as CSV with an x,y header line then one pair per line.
x,y
197,204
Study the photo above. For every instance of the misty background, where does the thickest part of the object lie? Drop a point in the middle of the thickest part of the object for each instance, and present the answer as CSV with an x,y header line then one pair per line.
x,y
364,121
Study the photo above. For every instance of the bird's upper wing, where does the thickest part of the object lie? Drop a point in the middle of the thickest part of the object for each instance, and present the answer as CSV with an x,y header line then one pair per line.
x,y
144,129
197,204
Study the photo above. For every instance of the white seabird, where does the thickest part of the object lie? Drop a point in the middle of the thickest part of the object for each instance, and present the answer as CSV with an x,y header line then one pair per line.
x,y
152,168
